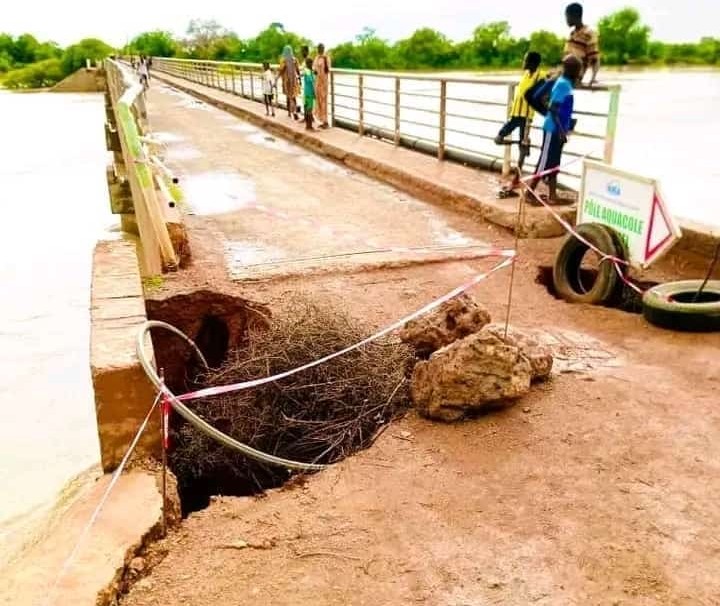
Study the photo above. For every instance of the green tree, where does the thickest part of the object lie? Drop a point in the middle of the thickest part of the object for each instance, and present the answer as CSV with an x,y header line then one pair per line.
x,y
157,43
708,50
201,35
426,48
623,37
491,44
269,43
76,55
24,49
36,75
549,45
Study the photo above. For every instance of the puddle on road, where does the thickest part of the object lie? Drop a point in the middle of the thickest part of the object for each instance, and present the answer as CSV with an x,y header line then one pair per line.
x,y
218,192
323,165
243,127
265,140
163,138
241,253
182,152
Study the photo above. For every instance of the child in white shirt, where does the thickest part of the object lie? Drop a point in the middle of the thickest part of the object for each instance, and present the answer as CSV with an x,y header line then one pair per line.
x,y
268,85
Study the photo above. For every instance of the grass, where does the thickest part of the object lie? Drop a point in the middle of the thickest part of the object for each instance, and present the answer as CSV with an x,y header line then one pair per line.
x,y
153,284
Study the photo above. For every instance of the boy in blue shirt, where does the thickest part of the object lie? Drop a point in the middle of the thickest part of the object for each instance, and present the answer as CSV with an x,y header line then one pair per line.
x,y
558,123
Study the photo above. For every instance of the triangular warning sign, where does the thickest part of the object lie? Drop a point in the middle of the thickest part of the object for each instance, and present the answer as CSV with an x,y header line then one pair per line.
x,y
660,230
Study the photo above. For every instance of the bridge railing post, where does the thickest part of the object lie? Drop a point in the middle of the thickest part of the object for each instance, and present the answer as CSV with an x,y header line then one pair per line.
x,y
361,106
397,111
252,86
507,157
332,97
611,125
443,108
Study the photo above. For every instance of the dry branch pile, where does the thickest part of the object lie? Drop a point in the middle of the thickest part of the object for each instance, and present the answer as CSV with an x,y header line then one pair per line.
x,y
319,415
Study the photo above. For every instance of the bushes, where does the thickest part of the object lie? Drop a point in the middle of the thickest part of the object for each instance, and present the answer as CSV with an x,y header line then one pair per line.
x,y
37,75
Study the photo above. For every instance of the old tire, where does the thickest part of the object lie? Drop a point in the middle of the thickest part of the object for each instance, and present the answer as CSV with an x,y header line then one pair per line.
x,y
566,271
670,305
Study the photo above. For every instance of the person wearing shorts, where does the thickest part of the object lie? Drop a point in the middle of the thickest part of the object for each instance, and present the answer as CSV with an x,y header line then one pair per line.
x,y
557,125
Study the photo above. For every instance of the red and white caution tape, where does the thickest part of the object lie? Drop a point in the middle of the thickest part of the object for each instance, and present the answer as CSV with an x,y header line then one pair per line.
x,y
509,256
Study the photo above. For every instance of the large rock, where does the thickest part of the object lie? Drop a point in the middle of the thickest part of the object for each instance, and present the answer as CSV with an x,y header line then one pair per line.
x,y
529,344
453,320
470,375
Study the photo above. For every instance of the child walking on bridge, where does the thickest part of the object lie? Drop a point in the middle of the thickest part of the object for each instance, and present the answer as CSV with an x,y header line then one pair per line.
x,y
309,93
268,84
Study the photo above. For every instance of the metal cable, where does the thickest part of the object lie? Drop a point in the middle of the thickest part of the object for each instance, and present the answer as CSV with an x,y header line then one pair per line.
x,y
196,421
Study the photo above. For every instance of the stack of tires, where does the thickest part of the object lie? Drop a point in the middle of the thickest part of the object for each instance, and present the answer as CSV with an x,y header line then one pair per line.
x,y
689,305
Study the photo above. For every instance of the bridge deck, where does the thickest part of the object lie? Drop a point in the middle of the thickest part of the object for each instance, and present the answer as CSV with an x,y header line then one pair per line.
x,y
269,199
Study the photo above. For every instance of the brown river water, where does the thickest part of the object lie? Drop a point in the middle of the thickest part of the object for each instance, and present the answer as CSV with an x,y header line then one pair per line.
x,y
54,207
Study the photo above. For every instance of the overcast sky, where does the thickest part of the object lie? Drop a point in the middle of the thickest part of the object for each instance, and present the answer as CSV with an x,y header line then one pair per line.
x,y
66,21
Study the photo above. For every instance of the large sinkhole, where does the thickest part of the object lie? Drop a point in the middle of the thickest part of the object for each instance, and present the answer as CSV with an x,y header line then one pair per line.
x,y
320,415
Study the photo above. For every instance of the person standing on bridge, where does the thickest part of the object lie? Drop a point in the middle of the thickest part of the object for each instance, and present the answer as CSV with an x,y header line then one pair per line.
x,y
289,72
321,67
309,93
583,42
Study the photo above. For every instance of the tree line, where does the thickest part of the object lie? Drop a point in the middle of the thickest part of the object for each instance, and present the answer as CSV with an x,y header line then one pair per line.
x,y
624,40
26,62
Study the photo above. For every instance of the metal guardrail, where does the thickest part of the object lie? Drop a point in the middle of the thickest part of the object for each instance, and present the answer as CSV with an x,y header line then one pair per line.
x,y
127,98
450,117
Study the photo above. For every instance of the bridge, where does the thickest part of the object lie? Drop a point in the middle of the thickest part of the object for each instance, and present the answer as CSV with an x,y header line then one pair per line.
x,y
585,494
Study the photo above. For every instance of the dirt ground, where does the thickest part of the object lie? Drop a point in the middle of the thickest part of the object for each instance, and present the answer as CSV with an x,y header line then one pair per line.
x,y
599,487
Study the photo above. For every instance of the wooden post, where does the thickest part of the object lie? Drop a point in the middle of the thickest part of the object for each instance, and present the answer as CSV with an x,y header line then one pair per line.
x,y
232,71
611,124
242,83
252,87
507,158
441,136
397,111
361,107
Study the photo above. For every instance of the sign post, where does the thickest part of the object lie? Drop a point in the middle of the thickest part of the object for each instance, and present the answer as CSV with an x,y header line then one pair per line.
x,y
631,205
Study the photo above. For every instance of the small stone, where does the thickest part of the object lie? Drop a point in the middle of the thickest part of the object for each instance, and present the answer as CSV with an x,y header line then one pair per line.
x,y
145,584
137,565
526,410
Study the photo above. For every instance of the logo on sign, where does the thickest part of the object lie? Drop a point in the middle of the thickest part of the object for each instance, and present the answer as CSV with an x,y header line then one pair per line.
x,y
613,188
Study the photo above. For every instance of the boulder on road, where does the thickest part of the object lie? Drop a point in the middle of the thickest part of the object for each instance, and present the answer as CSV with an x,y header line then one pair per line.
x,y
456,319
529,344
473,374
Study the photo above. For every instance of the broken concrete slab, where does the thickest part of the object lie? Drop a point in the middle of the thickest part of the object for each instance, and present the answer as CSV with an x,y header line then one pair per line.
x,y
43,574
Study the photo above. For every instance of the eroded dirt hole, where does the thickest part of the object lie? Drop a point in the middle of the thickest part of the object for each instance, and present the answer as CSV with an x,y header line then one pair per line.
x,y
320,415
627,299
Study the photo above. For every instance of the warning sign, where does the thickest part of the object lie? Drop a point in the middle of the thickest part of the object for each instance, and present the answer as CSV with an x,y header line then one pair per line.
x,y
632,206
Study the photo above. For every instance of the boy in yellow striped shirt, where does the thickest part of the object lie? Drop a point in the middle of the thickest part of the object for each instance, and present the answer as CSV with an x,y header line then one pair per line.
x,y
521,115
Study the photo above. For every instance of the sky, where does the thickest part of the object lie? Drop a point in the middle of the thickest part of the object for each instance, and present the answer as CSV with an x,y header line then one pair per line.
x,y
67,21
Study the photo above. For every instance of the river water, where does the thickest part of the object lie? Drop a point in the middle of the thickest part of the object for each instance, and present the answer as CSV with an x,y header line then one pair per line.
x,y
54,209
